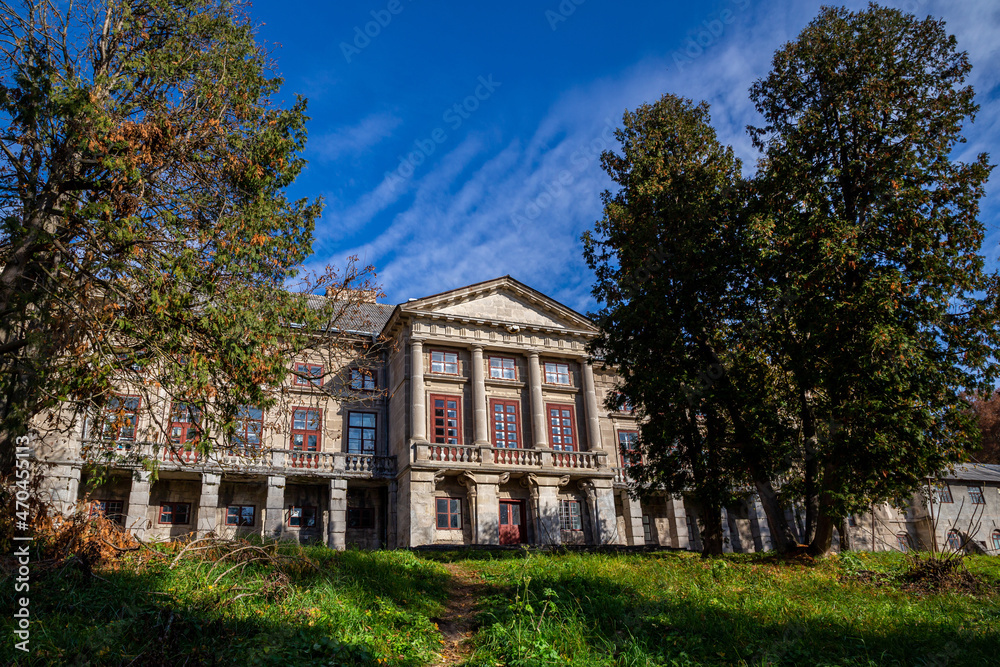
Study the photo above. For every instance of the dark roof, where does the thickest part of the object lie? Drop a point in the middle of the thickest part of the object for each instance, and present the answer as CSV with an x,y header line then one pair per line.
x,y
362,317
975,472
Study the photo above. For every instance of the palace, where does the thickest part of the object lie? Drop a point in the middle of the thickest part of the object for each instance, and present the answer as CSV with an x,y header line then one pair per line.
x,y
483,424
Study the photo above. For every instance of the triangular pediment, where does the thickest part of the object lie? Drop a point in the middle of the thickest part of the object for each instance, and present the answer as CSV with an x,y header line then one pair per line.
x,y
503,300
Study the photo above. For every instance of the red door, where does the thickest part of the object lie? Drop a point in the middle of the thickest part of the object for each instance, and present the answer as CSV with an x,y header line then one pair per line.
x,y
512,522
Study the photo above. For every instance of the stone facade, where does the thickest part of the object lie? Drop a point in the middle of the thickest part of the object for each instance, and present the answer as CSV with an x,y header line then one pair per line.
x,y
488,426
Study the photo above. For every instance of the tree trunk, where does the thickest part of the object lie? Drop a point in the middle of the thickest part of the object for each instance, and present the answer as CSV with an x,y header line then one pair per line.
x,y
781,532
845,541
822,541
711,536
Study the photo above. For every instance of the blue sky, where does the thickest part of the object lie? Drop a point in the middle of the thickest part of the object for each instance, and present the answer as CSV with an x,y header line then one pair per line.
x,y
458,143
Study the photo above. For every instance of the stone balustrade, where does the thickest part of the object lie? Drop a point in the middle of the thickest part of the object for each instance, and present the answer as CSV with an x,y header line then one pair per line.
x,y
272,460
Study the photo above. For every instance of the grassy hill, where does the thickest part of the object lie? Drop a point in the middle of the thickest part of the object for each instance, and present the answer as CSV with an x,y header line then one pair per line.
x,y
312,606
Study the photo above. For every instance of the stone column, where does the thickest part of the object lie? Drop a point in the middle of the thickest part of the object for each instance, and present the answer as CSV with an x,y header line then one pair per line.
x,y
537,406
468,480
762,530
633,519
530,482
138,504
548,529
480,411
679,538
274,509
336,536
590,404
487,517
417,508
727,537
418,409
208,505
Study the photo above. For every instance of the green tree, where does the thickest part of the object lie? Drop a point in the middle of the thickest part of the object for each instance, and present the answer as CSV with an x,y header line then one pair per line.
x,y
670,256
868,225
145,237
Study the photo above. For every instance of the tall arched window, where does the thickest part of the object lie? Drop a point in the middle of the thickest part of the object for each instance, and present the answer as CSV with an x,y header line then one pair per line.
x,y
996,540
903,540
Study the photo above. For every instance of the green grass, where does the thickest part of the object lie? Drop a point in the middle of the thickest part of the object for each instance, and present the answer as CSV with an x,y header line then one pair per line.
x,y
676,609
359,608
535,609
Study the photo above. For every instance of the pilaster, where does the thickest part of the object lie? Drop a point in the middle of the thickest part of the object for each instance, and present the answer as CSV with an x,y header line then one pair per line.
x,y
590,404
274,509
336,536
138,504
208,504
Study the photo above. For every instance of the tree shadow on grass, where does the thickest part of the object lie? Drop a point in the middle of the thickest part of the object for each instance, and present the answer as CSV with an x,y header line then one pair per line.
x,y
599,620
143,618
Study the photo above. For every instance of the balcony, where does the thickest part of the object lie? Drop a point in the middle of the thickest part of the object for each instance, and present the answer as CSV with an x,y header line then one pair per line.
x,y
434,455
268,461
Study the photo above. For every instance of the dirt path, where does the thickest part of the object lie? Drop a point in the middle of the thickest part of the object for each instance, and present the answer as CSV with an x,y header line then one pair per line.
x,y
457,624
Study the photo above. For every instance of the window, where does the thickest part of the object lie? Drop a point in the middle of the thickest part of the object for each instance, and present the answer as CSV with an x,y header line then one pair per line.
x,y
361,517
852,521
647,532
444,362
694,534
506,423
184,420
954,540
446,419
976,493
360,433
502,368
903,542
628,447
449,513
302,517
996,540
562,428
308,374
569,515
176,514
556,373
362,379
130,360
239,515
307,424
944,494
249,426
109,509
623,404
120,418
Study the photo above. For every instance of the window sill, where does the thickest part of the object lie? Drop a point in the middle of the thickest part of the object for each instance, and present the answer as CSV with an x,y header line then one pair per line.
x,y
496,382
562,388
441,377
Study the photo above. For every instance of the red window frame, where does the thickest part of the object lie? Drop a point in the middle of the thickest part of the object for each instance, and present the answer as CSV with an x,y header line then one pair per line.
x,y
238,518
559,371
177,514
361,433
123,416
996,540
444,418
944,494
304,438
976,495
557,431
444,362
314,371
503,368
361,518
954,540
302,514
503,431
363,379
184,419
570,515
450,511
246,416
630,455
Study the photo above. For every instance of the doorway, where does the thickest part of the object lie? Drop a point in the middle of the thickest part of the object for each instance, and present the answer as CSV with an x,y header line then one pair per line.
x,y
512,529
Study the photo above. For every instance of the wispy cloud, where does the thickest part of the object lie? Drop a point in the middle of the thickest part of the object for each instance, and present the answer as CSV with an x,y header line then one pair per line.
x,y
353,139
489,208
